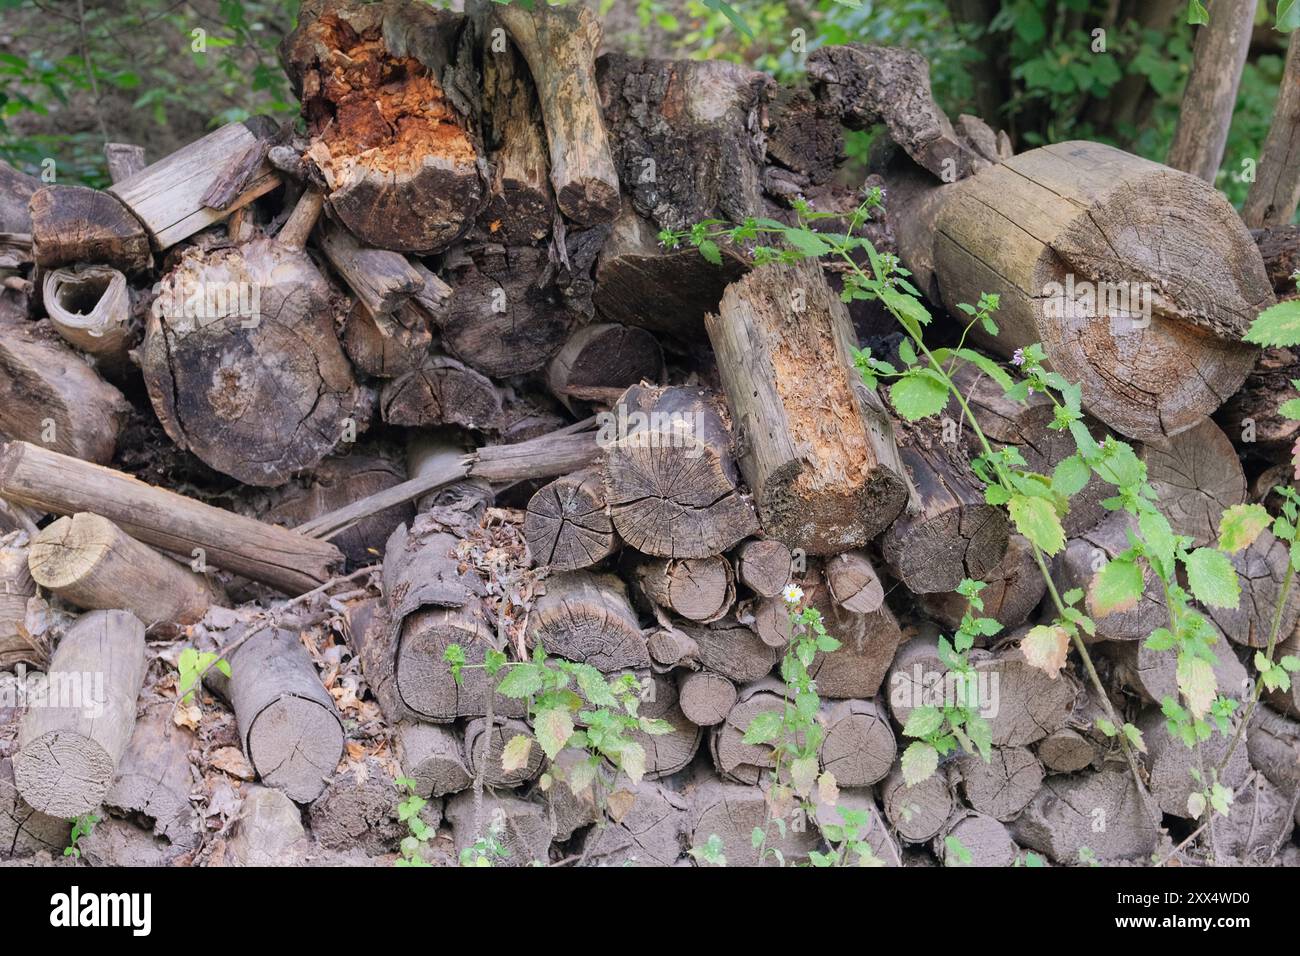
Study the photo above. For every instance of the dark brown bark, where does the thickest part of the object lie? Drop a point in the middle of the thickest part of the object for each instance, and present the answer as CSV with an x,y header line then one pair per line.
x,y
73,224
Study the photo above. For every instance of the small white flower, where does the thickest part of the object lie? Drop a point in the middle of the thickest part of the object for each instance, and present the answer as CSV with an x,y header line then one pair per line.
x,y
793,594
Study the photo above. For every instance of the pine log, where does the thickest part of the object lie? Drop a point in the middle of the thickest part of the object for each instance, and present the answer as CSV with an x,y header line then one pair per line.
x,y
90,307
503,731
50,396
698,589
586,618
1250,417
1078,218
380,279
918,812
1081,561
559,44
668,292
669,475
602,356
1261,569
24,831
520,206
389,137
257,388
763,565
824,481
1197,476
91,563
172,198
705,697
854,583
1101,811
1014,589
1169,763
567,526
69,748
73,224
504,317
433,756
440,390
1002,786
16,589
284,559
290,729
687,136
859,747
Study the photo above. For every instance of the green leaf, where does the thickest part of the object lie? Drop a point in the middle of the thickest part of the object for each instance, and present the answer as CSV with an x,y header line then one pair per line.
x,y
918,396
1197,15
923,721
1070,476
553,727
763,729
521,681
1117,587
1240,525
1277,326
1290,409
1135,737
920,761
1288,15
1212,578
709,250
1038,521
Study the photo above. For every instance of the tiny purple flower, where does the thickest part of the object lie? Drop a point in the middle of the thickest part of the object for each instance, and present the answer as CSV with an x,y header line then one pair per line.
x,y
1018,357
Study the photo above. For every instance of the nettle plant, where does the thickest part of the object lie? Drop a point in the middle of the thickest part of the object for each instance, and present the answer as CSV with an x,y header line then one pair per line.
x,y
923,387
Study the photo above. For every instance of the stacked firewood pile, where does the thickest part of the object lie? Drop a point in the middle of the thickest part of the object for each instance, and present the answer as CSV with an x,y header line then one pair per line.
x,y
318,405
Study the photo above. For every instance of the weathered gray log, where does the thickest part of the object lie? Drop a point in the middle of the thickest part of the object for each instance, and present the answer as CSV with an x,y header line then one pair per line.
x,y
586,617
23,830
859,747
975,839
666,753
154,780
358,810
16,589
503,731
732,812
90,307
604,355
1014,589
1154,674
380,279
268,831
854,583
698,589
1273,746
69,748
519,826
1022,703
648,826
1197,476
918,812
1064,818
1287,701
1081,561
1004,785
72,224
727,647
386,346
276,556
763,565
288,724
867,644
90,562
567,526
440,390
705,697
123,160
823,482
1261,569
1250,417
1169,762
433,756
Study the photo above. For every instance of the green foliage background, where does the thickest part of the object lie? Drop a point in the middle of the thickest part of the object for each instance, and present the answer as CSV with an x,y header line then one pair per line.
x,y
73,72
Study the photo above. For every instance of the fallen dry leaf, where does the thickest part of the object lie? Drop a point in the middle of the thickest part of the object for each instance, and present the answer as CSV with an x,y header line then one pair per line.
x,y
1045,647
231,760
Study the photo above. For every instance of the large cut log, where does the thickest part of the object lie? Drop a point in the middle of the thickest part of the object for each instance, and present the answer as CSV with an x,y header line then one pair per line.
x,y
868,642
289,727
90,307
665,754
859,746
386,346
518,825
504,317
433,756
1001,786
389,137
1261,569
734,757
1099,255
559,44
917,812
1013,590
90,562
604,356
154,779
494,773
431,604
16,588
688,137
732,812
1170,763
726,647
69,745
174,198
1154,674
1196,476
242,360
698,589
1080,563
705,697
567,526
983,841
441,391
647,827
763,565
73,224
586,618
947,531
50,396
520,206
1022,703
817,448
669,474
24,831
358,811
1273,745
1100,811
668,292
284,559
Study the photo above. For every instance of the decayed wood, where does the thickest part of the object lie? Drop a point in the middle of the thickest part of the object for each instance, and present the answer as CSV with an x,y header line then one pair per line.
x,y
804,134
90,562
1211,92
1084,557
440,390
90,307
567,526
734,758
168,197
1023,705
869,84
289,727
669,475
726,647
380,279
1250,417
69,747
1197,476
73,224
519,825
1004,785
559,44
1260,571
817,448
763,565
357,810
51,396
520,205
503,731
24,831
698,589
388,137
641,284
433,756
1065,234
918,812
859,747
386,346
153,779
16,589
284,559
586,617
602,356
257,388
687,136
1060,820
733,812
1276,190
1014,589
650,831
705,697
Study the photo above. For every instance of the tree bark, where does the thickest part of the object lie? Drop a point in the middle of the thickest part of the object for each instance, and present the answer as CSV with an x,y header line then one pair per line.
x,y
16,589
1276,190
90,307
